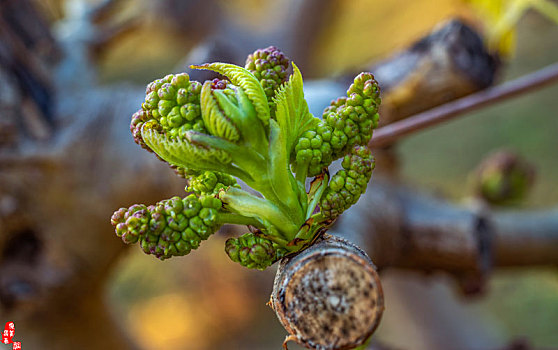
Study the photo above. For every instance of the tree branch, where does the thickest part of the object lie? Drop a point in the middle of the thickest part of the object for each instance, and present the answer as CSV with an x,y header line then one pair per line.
x,y
531,82
399,227
329,296
450,62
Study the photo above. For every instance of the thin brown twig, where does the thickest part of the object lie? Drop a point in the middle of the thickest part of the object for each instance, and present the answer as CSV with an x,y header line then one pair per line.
x,y
528,83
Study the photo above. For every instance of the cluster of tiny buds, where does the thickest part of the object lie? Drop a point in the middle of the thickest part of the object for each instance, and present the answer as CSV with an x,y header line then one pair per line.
x,y
219,84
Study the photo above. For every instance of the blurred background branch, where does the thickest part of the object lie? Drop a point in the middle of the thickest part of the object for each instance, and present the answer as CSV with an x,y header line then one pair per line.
x,y
64,129
399,227
528,83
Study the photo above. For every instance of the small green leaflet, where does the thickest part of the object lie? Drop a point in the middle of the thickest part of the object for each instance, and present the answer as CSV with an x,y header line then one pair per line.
x,y
292,113
217,123
188,154
247,81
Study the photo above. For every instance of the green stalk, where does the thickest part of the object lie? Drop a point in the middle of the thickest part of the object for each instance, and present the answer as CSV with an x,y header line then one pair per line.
x,y
301,171
237,219
317,188
275,239
281,179
247,204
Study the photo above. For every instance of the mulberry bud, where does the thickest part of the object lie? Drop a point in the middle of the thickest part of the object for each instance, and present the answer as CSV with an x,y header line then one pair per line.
x,y
252,251
171,227
346,186
210,182
269,66
347,122
172,104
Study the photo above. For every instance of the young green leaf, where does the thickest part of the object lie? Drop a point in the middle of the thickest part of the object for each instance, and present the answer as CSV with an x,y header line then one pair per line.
x,y
233,109
283,183
292,113
217,121
246,80
190,155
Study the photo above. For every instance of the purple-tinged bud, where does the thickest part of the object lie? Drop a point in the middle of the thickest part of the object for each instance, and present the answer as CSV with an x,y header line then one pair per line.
x,y
165,229
270,67
252,251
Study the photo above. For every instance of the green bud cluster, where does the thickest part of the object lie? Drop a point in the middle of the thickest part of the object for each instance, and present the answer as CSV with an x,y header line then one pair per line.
x,y
269,66
138,120
315,147
173,105
252,251
504,178
210,183
347,122
172,227
347,185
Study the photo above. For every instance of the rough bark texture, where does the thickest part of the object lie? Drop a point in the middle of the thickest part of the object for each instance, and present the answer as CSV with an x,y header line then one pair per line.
x,y
329,296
